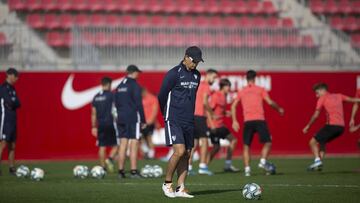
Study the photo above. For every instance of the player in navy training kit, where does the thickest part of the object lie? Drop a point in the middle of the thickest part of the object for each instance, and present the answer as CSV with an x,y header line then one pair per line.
x,y
102,122
9,103
177,103
130,117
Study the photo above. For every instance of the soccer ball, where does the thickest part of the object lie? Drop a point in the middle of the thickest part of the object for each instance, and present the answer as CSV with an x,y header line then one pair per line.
x,y
252,191
98,172
37,174
22,171
81,171
146,172
157,171
271,170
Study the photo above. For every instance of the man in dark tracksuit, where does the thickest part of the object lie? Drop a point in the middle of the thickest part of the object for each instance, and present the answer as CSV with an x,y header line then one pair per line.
x,y
130,111
177,103
9,103
102,122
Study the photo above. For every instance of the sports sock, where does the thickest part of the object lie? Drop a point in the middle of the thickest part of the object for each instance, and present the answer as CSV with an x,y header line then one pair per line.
x,y
202,165
263,161
317,159
247,169
190,167
167,182
133,171
228,163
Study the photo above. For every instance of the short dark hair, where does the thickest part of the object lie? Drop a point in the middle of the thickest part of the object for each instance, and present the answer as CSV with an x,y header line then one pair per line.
x,y
224,82
106,81
12,71
210,71
319,86
250,75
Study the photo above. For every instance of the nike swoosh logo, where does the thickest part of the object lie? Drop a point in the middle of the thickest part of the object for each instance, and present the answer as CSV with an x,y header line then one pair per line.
x,y
73,100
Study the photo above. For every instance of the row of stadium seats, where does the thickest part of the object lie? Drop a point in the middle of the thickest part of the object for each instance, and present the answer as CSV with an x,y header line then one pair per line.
x,y
3,40
335,6
66,21
133,39
167,6
349,23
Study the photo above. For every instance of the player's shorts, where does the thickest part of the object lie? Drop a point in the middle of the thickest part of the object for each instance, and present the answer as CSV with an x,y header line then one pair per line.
x,y
328,133
8,132
179,133
148,131
219,133
256,126
107,136
201,128
129,130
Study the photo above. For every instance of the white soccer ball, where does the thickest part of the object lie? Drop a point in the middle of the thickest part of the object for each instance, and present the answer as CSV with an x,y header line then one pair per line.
x,y
157,171
252,191
81,171
146,172
37,174
98,172
22,171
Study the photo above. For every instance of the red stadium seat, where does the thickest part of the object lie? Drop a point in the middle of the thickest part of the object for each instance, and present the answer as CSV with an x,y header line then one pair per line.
x,y
227,6
197,6
142,21
279,41
35,21
162,40
138,6
66,21
48,5
345,6
158,21
245,22
147,39
54,39
265,41
356,7
202,21
113,20
127,21
3,41
191,39
254,6
183,6
33,5
173,21
216,22
98,20
236,41
331,6
259,22
337,23
115,5
118,39
154,6
241,7
231,22
212,6
268,8
67,39
187,21
80,5
177,40
222,40
96,5
251,41
293,40
350,23
82,20
102,39
317,6
272,22
51,21
207,40
16,5
168,6
308,42
287,23
63,5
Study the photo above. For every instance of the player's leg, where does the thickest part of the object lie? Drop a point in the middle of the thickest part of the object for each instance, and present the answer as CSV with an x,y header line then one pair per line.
x,y
11,151
203,166
248,134
149,142
179,151
196,144
213,152
102,156
134,146
122,156
2,147
228,162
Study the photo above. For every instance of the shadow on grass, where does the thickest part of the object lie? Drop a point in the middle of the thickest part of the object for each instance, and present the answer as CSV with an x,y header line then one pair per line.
x,y
209,192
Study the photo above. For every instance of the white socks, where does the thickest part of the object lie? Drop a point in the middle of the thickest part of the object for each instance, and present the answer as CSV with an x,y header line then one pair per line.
x,y
317,159
202,165
247,169
228,163
263,161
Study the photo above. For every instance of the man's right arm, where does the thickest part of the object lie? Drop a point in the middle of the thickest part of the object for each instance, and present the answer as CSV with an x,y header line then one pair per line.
x,y
168,84
93,121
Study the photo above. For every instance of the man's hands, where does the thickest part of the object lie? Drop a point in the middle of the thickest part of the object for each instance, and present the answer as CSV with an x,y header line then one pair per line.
x,y
281,111
306,129
236,126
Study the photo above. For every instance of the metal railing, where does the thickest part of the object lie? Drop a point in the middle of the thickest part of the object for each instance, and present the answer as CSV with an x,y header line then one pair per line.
x,y
159,48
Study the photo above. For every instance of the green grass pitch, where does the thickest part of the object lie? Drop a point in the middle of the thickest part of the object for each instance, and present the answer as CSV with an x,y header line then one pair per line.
x,y
339,182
